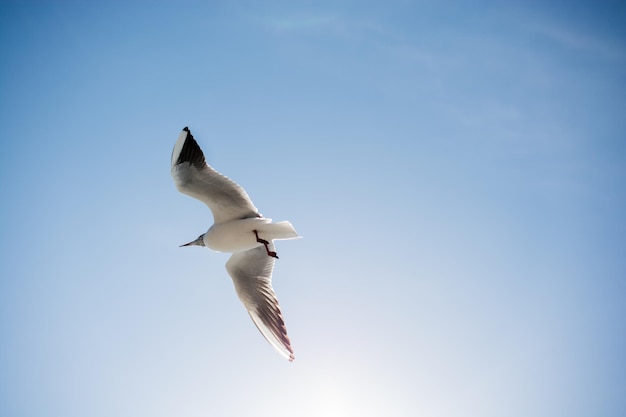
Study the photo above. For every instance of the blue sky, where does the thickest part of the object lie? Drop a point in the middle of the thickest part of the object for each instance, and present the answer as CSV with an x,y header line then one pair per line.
x,y
457,171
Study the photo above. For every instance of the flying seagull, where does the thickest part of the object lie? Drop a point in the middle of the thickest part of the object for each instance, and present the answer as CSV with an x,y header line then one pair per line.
x,y
239,228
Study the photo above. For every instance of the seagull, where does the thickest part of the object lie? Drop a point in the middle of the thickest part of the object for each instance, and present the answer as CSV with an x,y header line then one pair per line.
x,y
238,228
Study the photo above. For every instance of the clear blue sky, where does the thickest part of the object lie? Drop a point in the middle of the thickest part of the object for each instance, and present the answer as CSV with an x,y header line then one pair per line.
x,y
457,170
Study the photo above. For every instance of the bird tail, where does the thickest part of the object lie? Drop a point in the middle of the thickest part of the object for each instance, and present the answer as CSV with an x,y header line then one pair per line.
x,y
280,230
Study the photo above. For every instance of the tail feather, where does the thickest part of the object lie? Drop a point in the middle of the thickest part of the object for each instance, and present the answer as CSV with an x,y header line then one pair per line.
x,y
281,230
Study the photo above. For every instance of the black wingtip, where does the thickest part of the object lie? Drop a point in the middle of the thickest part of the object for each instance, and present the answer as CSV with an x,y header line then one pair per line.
x,y
191,151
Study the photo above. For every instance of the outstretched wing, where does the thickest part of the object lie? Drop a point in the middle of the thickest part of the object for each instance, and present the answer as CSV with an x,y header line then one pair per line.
x,y
192,176
251,272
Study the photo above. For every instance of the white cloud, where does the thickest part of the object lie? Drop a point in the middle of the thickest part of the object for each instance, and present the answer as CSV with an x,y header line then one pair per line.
x,y
579,41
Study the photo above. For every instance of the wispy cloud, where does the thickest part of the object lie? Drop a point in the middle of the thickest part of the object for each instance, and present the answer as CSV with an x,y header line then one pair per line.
x,y
580,41
299,22
334,24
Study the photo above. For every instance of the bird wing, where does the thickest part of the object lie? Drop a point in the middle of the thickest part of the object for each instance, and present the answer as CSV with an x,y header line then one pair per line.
x,y
251,272
192,176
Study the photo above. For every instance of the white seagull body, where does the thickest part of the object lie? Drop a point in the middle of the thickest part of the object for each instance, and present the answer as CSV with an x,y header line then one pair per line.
x,y
239,228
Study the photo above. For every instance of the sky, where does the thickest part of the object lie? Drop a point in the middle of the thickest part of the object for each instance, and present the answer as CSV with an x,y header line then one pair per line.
x,y
456,170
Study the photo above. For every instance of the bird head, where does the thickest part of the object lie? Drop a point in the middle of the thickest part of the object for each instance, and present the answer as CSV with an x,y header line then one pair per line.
x,y
198,242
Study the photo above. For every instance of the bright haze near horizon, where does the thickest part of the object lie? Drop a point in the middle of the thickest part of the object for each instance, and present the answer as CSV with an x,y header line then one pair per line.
x,y
457,171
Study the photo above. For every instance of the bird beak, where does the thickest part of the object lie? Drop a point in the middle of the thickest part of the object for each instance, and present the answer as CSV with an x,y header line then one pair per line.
x,y
198,242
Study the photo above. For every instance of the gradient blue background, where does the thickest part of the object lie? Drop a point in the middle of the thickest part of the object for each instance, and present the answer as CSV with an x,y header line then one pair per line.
x,y
457,170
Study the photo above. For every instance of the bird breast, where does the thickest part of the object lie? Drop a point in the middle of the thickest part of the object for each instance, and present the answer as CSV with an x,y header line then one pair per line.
x,y
235,235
